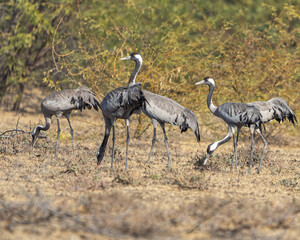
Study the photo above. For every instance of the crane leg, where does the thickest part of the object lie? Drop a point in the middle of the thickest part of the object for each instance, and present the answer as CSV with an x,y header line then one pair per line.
x,y
72,134
113,147
252,148
234,146
265,147
127,142
153,139
101,151
57,139
166,143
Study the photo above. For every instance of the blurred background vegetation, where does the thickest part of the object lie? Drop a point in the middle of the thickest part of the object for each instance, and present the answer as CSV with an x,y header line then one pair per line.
x,y
250,48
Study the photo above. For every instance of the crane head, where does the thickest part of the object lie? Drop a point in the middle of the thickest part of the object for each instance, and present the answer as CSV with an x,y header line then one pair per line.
x,y
210,149
206,80
34,135
134,57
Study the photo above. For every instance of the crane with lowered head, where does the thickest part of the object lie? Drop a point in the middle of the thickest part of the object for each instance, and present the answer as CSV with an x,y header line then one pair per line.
x,y
236,115
62,103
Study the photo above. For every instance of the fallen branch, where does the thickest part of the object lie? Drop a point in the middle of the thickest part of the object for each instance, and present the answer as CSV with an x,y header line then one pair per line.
x,y
13,130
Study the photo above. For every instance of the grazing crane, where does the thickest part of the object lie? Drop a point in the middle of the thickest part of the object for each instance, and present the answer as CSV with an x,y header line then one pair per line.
x,y
236,115
163,110
273,109
119,103
62,103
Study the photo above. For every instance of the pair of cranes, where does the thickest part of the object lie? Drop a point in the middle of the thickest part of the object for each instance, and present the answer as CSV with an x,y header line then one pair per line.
x,y
124,101
158,108
251,115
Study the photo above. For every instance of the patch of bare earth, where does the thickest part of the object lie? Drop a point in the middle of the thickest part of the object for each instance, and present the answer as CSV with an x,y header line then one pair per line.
x,y
46,198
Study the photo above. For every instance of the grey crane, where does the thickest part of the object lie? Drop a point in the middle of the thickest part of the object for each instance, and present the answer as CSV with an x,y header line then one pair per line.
x,y
236,115
62,103
119,103
163,110
273,109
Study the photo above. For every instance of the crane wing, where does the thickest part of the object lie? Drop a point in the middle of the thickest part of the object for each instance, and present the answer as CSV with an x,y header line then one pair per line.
x,y
275,109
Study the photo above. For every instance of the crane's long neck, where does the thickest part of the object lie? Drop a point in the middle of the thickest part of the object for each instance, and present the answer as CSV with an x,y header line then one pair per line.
x,y
210,104
39,128
132,78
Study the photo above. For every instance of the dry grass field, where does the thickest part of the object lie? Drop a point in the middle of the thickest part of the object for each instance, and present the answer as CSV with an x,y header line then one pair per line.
x,y
71,198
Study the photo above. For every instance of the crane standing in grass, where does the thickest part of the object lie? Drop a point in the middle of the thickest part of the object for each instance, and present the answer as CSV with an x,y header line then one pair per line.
x,y
119,103
236,115
62,103
163,110
273,109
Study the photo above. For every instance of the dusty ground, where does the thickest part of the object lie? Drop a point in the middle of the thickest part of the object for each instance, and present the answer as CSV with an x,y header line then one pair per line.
x,y
46,198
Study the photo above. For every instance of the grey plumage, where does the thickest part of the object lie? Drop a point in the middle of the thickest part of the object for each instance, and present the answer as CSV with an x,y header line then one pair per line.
x,y
62,103
236,115
119,103
163,110
273,109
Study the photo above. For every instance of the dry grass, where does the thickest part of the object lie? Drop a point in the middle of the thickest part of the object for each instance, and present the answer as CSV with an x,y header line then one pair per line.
x,y
42,197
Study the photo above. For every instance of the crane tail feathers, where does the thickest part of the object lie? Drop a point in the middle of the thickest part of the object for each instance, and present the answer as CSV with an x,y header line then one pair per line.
x,y
84,98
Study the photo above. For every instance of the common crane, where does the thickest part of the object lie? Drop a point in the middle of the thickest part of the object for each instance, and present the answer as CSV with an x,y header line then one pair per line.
x,y
62,103
236,115
163,110
112,104
119,103
273,109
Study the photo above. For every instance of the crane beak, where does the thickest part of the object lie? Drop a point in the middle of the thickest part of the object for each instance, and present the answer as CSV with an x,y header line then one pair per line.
x,y
206,159
34,139
201,82
125,58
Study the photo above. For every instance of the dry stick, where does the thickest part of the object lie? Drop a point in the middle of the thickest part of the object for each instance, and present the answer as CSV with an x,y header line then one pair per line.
x,y
13,130
17,123
16,131
12,135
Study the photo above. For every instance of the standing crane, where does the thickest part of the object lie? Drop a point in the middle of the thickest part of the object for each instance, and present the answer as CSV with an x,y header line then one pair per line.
x,y
62,103
119,103
236,115
163,110
273,109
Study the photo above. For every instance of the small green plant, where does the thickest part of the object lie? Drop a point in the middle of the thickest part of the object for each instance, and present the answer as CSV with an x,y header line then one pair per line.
x,y
290,183
155,177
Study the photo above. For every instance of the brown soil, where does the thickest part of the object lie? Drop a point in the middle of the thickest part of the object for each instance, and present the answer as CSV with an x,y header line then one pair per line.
x,y
46,198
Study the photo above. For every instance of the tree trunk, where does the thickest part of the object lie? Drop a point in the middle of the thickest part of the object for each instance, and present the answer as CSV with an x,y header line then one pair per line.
x,y
20,91
3,83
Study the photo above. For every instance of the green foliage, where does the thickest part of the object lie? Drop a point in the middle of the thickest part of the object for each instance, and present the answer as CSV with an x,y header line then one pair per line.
x,y
249,47
26,30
